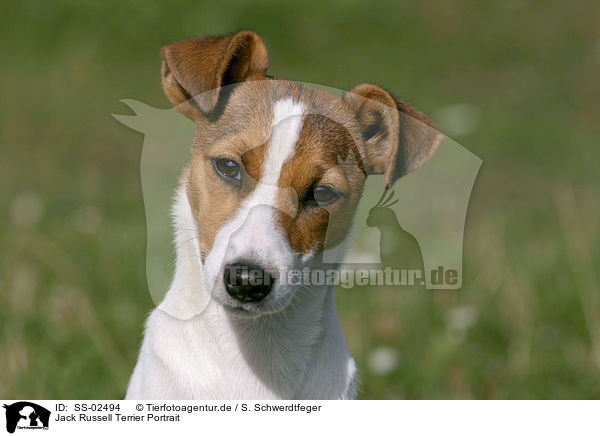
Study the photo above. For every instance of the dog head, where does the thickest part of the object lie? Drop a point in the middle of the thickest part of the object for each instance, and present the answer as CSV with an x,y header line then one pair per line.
x,y
277,168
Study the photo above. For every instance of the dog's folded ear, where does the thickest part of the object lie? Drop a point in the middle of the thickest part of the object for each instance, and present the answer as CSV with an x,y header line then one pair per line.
x,y
194,71
398,137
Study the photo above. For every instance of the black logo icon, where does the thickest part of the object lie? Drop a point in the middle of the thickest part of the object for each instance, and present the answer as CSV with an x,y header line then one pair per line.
x,y
26,415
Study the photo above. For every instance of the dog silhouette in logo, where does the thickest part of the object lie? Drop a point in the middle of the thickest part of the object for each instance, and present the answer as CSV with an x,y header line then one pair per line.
x,y
31,413
398,248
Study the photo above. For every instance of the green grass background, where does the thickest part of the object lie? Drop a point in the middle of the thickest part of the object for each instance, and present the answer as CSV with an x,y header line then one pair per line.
x,y
526,324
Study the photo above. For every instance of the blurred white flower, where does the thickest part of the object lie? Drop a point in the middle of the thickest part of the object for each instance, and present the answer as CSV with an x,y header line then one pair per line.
x,y
462,317
458,119
383,360
27,210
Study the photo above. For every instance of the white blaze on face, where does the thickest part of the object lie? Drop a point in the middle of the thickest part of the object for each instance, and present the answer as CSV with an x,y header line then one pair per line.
x,y
252,235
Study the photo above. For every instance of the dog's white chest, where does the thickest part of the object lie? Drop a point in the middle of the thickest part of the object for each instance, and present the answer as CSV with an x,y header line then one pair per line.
x,y
190,359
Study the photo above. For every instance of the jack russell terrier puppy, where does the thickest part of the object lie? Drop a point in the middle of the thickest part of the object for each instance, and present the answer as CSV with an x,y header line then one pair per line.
x,y
275,174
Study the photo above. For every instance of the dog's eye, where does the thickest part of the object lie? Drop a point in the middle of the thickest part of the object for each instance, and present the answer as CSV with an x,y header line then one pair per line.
x,y
227,169
324,195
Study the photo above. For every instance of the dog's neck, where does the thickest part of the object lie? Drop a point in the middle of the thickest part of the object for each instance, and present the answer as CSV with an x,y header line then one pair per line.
x,y
277,349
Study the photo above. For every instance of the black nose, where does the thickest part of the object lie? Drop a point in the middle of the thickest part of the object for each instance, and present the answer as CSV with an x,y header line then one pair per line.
x,y
247,283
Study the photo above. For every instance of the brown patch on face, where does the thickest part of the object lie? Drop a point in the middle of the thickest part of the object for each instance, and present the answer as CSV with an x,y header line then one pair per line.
x,y
253,160
326,154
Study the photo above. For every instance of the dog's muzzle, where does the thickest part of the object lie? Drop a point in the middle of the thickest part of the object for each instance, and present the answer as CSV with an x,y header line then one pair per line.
x,y
247,283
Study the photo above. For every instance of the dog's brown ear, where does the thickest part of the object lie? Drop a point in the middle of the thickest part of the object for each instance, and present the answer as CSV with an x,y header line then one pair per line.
x,y
398,137
194,70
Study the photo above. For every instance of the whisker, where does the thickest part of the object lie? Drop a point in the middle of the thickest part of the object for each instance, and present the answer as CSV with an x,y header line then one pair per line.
x,y
189,240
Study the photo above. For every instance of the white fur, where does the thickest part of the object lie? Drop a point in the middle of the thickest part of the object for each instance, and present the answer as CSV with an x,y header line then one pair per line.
x,y
195,348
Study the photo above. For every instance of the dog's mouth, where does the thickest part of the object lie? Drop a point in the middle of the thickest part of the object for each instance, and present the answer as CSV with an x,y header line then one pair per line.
x,y
250,310
242,312
252,303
